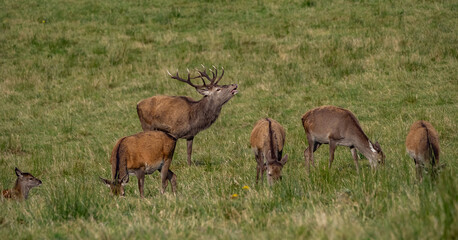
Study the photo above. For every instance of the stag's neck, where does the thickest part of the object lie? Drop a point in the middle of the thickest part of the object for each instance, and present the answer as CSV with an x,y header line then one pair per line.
x,y
204,113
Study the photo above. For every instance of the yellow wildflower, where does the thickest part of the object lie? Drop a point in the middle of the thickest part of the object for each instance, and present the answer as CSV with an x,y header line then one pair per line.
x,y
246,187
235,195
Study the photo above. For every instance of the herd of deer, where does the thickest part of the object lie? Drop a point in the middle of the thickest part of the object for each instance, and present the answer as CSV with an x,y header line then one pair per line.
x,y
165,119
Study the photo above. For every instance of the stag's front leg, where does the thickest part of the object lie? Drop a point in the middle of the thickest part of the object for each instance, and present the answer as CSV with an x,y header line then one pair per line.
x,y
259,166
189,145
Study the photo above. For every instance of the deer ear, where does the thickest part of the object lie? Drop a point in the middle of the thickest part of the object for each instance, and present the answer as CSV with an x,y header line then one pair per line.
x,y
203,90
124,180
284,160
18,172
106,182
377,147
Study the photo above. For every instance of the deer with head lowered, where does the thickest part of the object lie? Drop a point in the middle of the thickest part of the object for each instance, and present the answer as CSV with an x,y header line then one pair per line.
x,y
183,117
337,126
267,140
24,182
422,144
141,154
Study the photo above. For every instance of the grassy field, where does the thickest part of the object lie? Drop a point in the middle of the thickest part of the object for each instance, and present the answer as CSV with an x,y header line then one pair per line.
x,y
71,73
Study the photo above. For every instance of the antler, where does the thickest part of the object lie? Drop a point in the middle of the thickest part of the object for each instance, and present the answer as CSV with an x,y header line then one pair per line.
x,y
214,75
188,81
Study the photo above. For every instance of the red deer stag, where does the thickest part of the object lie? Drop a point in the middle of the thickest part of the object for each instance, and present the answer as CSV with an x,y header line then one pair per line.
x,y
183,117
422,144
141,154
337,126
24,182
267,140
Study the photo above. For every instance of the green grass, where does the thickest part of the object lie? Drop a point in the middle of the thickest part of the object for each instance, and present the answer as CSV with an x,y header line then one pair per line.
x,y
71,73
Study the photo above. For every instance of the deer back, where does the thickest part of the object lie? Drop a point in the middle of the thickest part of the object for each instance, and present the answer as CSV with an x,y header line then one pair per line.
x,y
143,149
267,142
422,142
329,121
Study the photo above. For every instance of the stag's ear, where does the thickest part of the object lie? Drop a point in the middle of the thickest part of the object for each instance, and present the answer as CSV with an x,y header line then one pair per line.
x,y
18,172
284,160
106,182
204,91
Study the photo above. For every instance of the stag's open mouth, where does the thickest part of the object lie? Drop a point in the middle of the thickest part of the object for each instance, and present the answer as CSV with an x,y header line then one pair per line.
x,y
234,91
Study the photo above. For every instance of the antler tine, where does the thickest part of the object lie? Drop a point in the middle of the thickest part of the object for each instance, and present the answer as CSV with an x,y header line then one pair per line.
x,y
188,81
222,74
204,74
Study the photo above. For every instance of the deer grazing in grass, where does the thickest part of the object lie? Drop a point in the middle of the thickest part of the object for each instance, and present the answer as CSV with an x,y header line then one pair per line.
x,y
24,182
337,126
422,144
183,117
267,140
141,154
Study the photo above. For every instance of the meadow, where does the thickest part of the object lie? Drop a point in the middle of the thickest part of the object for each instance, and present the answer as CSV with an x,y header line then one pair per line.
x,y
71,73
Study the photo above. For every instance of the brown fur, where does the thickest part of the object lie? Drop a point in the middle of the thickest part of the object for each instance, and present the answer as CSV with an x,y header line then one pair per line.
x,y
337,126
422,144
141,154
182,116
24,182
267,140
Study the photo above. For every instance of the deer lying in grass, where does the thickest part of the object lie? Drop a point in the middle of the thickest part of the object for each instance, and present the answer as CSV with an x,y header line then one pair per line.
x,y
337,126
24,182
267,140
422,144
141,154
183,117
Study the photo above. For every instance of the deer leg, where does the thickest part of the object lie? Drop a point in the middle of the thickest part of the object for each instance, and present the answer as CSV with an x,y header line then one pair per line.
x,y
308,152
419,170
355,157
141,180
164,175
258,166
173,180
189,145
332,149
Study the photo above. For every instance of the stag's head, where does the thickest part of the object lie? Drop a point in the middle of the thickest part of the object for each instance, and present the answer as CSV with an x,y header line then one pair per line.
x,y
218,93
116,186
274,167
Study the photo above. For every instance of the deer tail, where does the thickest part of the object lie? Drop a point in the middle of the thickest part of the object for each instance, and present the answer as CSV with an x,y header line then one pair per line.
x,y
115,157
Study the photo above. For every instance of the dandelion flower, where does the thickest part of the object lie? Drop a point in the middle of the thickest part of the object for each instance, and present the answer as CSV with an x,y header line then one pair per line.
x,y
235,195
246,187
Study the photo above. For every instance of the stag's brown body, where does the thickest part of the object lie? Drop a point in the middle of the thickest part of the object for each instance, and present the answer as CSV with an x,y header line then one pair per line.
x,y
24,182
183,117
422,144
337,126
267,140
141,154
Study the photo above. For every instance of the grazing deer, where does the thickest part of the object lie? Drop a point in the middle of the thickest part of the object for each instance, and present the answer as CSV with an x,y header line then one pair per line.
x,y
422,144
267,140
24,182
183,117
337,126
141,154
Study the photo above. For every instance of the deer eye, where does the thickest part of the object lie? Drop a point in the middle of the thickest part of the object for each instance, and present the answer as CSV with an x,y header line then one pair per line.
x,y
218,89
